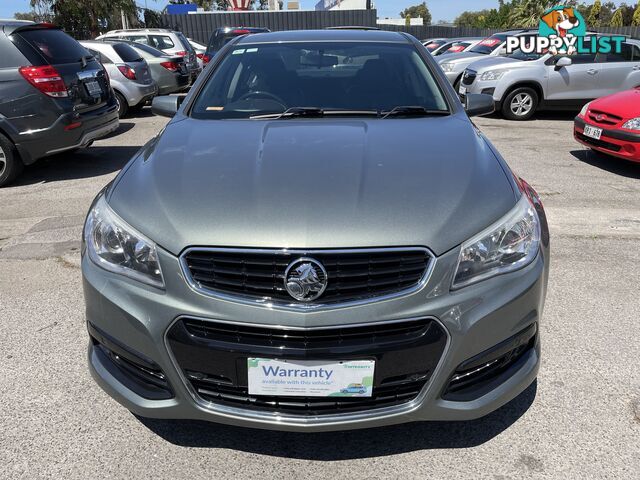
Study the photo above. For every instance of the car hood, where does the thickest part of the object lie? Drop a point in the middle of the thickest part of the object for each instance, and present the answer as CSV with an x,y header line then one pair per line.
x,y
623,104
314,183
458,57
491,62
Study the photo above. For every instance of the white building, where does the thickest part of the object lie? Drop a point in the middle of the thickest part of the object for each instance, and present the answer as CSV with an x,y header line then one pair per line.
x,y
344,4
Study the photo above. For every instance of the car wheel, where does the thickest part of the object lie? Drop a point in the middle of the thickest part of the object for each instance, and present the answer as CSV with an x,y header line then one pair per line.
x,y
123,106
521,104
10,164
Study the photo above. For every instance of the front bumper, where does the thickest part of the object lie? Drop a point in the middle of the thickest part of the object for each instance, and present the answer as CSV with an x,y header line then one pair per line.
x,y
618,143
475,319
59,138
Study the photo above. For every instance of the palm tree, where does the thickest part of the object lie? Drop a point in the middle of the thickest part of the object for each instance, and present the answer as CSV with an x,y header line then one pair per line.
x,y
527,13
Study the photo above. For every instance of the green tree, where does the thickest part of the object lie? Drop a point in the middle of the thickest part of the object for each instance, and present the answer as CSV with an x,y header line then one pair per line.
x,y
86,18
33,16
416,11
527,13
618,19
594,14
636,17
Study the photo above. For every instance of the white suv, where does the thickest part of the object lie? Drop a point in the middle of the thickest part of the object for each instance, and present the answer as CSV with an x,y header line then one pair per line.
x,y
169,41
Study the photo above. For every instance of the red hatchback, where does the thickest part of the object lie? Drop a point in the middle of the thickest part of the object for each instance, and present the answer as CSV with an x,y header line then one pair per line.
x,y
611,125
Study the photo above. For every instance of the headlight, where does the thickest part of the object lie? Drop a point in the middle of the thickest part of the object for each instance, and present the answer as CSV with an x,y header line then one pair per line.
x,y
447,67
633,124
507,245
585,109
493,74
117,247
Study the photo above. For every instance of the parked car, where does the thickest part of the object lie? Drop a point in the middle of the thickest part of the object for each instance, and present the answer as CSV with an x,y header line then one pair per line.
x,y
453,45
200,50
169,41
611,125
291,210
454,65
168,71
222,36
129,74
523,83
54,96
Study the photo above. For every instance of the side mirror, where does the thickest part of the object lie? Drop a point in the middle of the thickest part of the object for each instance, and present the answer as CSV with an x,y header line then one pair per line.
x,y
477,104
166,105
563,62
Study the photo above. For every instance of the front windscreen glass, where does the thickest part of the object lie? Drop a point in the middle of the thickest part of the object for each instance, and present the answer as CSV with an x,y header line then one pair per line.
x,y
488,45
262,79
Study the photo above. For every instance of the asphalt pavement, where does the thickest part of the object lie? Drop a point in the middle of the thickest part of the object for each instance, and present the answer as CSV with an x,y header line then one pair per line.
x,y
581,419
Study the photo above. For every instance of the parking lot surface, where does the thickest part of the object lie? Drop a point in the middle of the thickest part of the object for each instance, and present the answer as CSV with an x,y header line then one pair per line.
x,y
580,420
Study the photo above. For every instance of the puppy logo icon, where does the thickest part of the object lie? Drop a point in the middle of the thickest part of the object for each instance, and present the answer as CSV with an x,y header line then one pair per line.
x,y
563,23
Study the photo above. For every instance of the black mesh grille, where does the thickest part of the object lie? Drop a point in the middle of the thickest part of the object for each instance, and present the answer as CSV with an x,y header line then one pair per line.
x,y
351,275
233,396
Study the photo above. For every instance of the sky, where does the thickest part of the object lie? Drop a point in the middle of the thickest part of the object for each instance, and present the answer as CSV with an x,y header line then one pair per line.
x,y
440,9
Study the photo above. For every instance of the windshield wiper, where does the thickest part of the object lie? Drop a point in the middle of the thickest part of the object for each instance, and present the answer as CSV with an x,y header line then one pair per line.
x,y
314,112
409,110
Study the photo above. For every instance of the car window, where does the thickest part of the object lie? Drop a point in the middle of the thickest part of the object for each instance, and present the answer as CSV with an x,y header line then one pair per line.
x,y
54,45
99,56
148,51
262,79
126,52
185,43
628,53
488,45
161,42
457,47
137,38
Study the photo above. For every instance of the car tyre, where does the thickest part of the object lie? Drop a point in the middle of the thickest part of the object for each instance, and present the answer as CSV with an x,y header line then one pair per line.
x,y
520,104
123,106
11,165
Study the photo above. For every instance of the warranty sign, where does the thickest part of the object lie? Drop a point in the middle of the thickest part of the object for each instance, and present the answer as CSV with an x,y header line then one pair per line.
x,y
310,378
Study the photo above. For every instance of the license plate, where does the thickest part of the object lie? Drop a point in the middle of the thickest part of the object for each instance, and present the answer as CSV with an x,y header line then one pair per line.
x,y
93,88
301,378
463,90
592,132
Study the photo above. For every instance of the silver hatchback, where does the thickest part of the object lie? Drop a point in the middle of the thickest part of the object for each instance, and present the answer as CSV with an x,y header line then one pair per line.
x,y
129,74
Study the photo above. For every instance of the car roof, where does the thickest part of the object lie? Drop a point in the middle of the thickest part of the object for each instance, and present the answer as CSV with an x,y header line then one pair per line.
x,y
327,36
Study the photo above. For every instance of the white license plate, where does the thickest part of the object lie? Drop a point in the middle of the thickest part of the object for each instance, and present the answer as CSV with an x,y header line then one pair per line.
x,y
301,378
592,132
93,88
463,90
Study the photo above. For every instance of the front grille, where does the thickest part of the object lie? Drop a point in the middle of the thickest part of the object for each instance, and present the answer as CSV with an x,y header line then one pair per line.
x,y
384,396
469,77
308,339
599,143
351,274
603,118
213,359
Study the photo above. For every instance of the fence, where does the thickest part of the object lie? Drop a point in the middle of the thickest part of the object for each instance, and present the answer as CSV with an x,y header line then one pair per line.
x,y
200,26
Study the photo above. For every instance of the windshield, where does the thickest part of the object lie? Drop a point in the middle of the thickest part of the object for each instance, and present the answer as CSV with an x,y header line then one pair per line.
x,y
488,45
433,45
262,79
518,54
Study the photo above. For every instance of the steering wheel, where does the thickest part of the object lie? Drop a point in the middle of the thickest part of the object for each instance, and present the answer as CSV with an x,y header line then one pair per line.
x,y
263,94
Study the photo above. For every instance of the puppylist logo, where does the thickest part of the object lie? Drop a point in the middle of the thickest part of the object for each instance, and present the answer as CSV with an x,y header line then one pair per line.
x,y
563,30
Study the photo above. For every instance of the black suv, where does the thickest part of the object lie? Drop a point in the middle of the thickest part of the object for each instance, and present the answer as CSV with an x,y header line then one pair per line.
x,y
54,96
